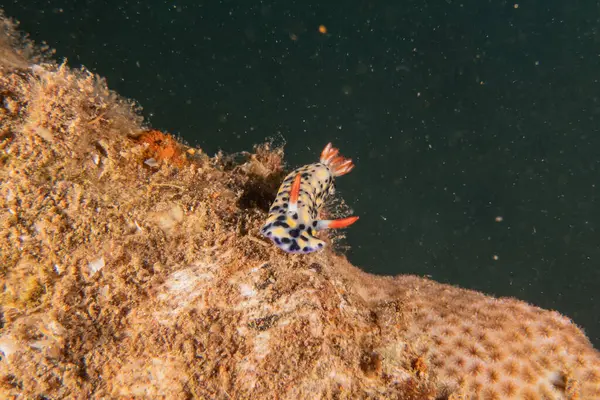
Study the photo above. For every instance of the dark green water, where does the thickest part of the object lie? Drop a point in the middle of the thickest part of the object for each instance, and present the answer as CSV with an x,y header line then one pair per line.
x,y
455,112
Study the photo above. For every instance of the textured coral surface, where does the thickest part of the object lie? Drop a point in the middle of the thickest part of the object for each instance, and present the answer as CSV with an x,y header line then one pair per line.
x,y
124,278
499,348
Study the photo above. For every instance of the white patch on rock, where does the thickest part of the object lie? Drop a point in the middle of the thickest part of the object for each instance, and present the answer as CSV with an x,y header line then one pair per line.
x,y
261,345
8,346
151,162
341,378
58,269
96,265
182,288
168,219
44,133
247,290
154,378
103,291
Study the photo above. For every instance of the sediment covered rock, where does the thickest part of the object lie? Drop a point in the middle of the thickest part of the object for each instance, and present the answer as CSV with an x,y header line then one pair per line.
x,y
132,266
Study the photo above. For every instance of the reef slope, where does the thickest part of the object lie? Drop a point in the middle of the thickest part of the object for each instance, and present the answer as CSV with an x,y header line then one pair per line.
x,y
131,267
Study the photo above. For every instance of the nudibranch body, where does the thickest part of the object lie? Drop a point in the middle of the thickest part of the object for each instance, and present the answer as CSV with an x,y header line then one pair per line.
x,y
293,217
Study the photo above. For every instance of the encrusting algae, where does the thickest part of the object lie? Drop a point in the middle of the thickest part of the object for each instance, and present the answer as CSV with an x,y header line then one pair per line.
x,y
128,279
162,147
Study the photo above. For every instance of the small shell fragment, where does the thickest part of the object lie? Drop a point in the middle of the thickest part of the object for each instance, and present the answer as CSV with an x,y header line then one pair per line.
x,y
151,162
96,265
8,346
58,269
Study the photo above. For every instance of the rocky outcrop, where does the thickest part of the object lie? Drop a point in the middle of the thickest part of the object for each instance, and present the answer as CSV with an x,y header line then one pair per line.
x,y
132,267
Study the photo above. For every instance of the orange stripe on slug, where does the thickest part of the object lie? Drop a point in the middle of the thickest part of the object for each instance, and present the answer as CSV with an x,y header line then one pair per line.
x,y
295,192
342,222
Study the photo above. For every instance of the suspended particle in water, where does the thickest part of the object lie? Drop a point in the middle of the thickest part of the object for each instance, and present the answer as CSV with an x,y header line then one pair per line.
x,y
322,29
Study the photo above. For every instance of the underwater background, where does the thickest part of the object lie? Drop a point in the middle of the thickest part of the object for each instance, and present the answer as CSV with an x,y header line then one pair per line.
x,y
473,124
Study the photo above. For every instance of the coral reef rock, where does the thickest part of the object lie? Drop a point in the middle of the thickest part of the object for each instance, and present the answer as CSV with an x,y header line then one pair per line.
x,y
128,278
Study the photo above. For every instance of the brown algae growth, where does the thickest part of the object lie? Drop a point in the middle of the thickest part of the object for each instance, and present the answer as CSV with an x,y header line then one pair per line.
x,y
131,266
